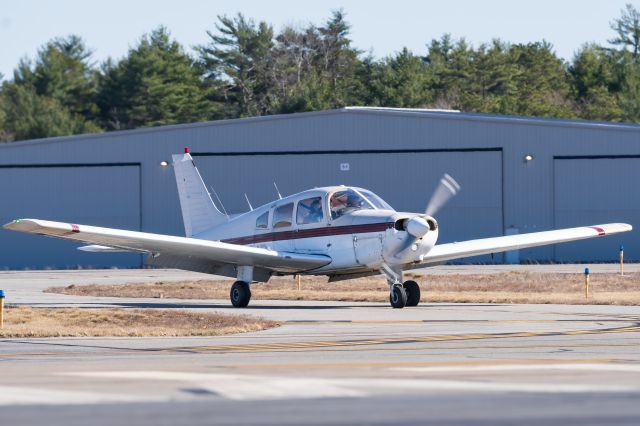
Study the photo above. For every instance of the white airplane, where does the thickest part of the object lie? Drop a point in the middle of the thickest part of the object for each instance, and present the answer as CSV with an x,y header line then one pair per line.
x,y
340,232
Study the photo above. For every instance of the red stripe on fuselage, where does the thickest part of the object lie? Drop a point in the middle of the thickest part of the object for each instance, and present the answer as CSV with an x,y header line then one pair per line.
x,y
310,233
597,228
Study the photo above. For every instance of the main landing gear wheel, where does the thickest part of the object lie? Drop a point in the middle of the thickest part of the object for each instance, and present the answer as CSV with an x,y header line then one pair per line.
x,y
413,292
398,296
240,294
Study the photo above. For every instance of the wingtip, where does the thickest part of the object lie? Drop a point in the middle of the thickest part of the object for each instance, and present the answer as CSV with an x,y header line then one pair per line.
x,y
13,224
614,228
23,225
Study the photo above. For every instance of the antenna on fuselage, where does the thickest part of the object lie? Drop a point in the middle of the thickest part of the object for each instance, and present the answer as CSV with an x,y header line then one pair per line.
x,y
277,190
248,202
220,201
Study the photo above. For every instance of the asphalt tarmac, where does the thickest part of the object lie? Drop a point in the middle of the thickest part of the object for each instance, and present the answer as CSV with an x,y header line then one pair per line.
x,y
328,363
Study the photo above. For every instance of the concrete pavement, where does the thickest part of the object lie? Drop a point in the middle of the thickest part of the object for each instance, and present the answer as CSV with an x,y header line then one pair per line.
x,y
329,363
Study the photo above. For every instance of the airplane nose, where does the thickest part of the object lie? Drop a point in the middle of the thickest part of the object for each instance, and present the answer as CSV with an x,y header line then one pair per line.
x,y
417,226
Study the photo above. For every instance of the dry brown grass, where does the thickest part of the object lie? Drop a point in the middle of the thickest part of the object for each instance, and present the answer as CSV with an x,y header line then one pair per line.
x,y
508,287
78,322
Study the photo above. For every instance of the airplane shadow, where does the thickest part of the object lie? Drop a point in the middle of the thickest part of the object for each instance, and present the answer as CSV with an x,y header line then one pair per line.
x,y
176,305
166,305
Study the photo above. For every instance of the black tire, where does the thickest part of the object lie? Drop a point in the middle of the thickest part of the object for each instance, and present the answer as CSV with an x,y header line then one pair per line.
x,y
398,297
240,294
413,292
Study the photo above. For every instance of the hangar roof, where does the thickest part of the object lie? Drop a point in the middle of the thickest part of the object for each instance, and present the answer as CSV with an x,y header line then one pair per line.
x,y
419,112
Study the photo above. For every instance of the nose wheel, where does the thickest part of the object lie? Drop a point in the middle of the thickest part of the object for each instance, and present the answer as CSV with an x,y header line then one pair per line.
x,y
401,294
413,292
398,296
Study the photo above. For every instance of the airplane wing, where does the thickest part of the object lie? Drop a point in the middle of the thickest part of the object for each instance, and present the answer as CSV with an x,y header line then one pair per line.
x,y
444,252
176,252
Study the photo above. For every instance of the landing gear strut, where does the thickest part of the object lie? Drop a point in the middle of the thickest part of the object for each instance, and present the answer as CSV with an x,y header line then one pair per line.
x,y
240,294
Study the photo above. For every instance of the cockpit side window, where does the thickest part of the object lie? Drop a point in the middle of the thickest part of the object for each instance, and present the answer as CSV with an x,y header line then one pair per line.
x,y
345,201
282,216
262,222
309,211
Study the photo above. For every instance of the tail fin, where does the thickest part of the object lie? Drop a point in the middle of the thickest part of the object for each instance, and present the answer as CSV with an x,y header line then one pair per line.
x,y
199,213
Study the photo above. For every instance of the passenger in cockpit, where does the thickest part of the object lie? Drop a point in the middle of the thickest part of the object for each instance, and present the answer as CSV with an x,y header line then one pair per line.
x,y
315,212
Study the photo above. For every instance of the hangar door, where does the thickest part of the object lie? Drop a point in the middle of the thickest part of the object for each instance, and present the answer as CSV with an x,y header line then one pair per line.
x,y
590,191
93,195
405,179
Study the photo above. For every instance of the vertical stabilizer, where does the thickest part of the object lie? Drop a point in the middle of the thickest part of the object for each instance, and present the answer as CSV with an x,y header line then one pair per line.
x,y
199,213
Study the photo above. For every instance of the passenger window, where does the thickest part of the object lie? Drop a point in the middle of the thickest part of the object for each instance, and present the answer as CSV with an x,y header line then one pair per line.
x,y
262,222
309,211
282,216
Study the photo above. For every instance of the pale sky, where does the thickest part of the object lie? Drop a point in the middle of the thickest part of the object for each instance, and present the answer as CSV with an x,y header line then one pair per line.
x,y
111,27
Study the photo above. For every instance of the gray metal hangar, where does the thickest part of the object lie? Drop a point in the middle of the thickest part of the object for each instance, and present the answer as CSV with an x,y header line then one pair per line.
x,y
517,175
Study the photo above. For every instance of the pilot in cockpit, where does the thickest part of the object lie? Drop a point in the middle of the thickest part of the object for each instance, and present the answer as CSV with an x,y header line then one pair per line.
x,y
339,204
315,211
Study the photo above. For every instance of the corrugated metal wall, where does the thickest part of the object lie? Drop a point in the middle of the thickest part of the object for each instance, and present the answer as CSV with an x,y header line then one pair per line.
x,y
97,195
597,190
398,154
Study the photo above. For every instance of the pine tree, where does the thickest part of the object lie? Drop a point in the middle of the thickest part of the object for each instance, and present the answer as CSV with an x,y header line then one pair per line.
x,y
52,96
157,83
627,29
400,81
238,65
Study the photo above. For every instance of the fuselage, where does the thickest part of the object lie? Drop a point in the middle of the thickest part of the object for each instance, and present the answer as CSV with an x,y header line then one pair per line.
x,y
353,226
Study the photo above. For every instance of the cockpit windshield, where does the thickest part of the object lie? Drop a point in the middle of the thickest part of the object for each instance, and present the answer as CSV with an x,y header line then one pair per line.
x,y
375,200
347,200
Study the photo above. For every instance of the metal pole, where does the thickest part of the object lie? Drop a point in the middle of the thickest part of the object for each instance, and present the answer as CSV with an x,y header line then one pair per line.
x,y
586,283
621,260
1,309
299,278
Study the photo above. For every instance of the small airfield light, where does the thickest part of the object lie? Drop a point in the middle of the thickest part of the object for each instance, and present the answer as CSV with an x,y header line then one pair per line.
x,y
528,158
586,283
1,308
186,149
163,163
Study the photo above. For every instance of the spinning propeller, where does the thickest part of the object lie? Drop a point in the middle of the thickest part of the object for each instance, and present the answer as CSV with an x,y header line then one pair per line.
x,y
417,227
447,189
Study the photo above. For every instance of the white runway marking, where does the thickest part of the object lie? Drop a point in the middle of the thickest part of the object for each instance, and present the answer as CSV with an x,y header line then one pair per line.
x,y
14,395
242,387
249,387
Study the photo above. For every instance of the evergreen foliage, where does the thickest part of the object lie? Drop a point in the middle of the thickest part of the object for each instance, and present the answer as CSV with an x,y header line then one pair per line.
x,y
157,83
245,69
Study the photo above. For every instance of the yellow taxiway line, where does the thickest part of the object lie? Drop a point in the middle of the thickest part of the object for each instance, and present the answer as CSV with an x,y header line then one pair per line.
x,y
397,340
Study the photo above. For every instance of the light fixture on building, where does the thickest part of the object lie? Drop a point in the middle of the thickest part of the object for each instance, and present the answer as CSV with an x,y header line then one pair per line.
x,y
528,158
164,163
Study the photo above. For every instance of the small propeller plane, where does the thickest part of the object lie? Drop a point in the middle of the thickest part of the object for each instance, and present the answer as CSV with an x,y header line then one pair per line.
x,y
341,232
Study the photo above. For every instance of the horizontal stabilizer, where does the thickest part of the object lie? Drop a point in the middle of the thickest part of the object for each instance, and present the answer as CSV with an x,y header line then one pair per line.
x,y
94,248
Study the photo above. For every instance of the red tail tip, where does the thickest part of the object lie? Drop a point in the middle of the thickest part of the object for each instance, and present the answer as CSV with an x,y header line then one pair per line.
x,y
186,149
